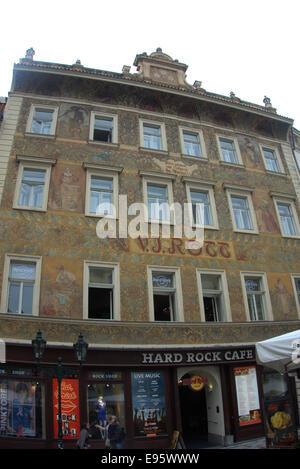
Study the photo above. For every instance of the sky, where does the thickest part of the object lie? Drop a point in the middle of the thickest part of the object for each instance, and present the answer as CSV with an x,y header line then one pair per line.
x,y
248,47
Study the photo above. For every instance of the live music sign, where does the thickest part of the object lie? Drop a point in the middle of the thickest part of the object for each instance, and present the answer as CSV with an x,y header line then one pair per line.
x,y
193,357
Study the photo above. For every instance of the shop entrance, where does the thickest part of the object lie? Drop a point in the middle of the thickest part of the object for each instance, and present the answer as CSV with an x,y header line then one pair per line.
x,y
193,408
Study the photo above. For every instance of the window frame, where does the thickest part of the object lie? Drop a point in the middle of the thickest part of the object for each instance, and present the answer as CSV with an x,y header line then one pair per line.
x,y
199,134
104,115
226,313
31,116
202,186
153,123
38,164
245,193
178,292
9,258
105,172
158,180
234,140
275,151
266,299
116,315
295,277
286,199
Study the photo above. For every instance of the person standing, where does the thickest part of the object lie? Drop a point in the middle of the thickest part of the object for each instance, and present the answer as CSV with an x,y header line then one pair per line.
x,y
115,434
84,436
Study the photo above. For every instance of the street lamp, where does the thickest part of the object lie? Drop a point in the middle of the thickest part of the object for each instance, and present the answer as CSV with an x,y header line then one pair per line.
x,y
80,348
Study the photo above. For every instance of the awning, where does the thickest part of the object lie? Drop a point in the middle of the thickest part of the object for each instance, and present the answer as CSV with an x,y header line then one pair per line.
x,y
281,353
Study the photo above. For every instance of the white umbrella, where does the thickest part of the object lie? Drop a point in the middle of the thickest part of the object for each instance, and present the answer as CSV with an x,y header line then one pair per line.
x,y
281,353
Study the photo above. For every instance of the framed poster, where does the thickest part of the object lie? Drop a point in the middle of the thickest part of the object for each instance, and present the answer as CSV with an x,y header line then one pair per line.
x,y
247,395
148,403
281,430
69,408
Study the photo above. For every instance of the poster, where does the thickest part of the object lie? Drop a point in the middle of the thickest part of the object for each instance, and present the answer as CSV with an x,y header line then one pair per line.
x,y
148,403
279,422
247,395
69,408
17,408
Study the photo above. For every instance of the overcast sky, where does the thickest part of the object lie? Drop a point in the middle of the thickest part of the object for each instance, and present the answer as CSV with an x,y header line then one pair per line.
x,y
248,47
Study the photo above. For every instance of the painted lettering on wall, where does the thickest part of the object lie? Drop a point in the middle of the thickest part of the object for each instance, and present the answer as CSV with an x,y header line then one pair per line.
x,y
177,246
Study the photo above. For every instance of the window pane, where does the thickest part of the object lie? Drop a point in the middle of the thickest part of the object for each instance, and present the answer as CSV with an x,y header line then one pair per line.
x,y
211,308
163,307
31,193
191,144
101,183
252,284
101,275
287,219
201,207
210,282
101,202
241,213
13,297
27,299
103,129
25,271
162,280
100,303
158,206
228,151
271,160
152,137
42,121
104,400
24,405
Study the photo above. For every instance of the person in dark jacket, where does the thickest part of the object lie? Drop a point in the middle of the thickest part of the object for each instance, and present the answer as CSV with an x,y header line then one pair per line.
x,y
115,434
84,436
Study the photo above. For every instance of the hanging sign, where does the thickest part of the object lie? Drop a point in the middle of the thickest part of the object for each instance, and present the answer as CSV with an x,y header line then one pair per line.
x,y
69,408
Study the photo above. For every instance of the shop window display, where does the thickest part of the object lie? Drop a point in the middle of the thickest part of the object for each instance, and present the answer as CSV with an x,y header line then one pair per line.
x,y
22,409
105,400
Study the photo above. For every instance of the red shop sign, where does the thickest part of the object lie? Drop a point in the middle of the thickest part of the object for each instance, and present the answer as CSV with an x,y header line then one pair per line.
x,y
69,408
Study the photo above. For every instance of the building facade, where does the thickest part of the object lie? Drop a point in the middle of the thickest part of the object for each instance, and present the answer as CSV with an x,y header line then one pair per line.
x,y
171,323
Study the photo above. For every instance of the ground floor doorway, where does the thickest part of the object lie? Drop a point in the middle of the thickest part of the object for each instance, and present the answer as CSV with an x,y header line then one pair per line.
x,y
193,407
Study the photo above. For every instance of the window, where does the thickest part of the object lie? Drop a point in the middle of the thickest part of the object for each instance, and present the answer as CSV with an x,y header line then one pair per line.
x,y
21,280
202,208
22,407
271,159
103,128
214,298
152,135
105,398
165,294
241,208
32,183
229,150
297,157
287,215
101,291
296,286
192,143
158,196
42,120
257,298
102,190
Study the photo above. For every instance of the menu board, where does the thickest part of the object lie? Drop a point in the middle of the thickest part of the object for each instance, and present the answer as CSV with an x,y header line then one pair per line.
x,y
247,395
148,403
69,408
281,430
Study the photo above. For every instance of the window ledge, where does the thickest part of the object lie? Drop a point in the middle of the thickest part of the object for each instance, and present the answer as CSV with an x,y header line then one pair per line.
x,y
107,144
233,165
276,173
153,150
195,158
32,134
31,209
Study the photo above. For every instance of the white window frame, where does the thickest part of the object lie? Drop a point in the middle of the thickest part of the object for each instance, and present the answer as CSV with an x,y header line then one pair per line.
x,y
116,315
233,140
275,151
199,134
153,123
104,115
266,300
5,283
31,115
224,289
246,193
286,200
38,164
159,180
178,292
106,172
295,277
202,186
